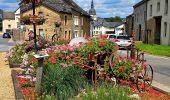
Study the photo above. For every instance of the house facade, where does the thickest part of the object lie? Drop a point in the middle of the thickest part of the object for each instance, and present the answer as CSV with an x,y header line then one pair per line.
x,y
63,17
17,18
8,22
158,21
129,25
140,17
103,27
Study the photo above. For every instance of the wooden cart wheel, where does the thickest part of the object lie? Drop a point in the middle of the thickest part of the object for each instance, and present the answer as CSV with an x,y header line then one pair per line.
x,y
55,37
111,59
144,80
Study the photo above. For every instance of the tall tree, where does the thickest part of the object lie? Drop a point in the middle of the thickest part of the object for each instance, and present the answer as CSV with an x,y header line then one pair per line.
x,y
114,19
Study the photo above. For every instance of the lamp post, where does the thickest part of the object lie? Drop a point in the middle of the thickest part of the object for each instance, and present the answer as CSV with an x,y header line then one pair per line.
x,y
34,26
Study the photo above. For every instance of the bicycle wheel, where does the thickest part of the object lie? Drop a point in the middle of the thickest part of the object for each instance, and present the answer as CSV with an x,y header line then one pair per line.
x,y
148,75
54,37
144,81
111,60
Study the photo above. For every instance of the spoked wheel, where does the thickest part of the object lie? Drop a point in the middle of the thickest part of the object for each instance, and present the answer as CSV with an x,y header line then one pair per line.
x,y
144,78
111,59
55,37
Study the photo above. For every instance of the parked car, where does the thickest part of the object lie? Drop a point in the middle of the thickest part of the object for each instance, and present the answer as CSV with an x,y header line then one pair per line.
x,y
6,35
121,40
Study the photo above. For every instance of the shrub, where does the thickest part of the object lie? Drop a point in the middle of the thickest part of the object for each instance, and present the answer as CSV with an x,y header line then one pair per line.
x,y
62,81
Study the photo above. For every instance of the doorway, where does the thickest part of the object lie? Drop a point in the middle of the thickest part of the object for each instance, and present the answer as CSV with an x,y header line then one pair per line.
x,y
158,30
140,32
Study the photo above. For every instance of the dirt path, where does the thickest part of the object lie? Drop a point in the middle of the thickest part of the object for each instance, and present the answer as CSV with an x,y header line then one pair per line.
x,y
6,84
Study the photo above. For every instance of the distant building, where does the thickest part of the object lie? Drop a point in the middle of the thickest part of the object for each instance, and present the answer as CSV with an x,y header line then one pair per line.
x,y
64,16
129,25
158,21
17,18
140,17
8,22
1,18
103,27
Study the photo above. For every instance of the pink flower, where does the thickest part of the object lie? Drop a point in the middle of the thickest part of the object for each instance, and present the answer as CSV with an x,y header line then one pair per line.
x,y
132,75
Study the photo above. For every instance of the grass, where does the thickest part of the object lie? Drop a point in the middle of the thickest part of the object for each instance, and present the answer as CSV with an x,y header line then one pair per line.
x,y
154,49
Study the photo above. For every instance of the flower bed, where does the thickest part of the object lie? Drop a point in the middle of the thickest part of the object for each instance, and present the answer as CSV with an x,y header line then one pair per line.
x,y
64,76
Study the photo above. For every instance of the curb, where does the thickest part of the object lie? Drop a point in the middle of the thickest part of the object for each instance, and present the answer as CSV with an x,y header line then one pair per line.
x,y
18,94
162,88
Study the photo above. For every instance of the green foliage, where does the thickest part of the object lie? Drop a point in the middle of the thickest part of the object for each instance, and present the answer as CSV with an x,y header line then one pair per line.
x,y
93,46
61,82
161,50
105,92
114,19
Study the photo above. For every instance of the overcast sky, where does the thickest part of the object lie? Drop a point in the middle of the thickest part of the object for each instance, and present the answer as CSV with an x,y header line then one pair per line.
x,y
104,8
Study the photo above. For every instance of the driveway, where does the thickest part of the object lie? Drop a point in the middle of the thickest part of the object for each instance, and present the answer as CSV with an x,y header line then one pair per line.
x,y
5,44
161,67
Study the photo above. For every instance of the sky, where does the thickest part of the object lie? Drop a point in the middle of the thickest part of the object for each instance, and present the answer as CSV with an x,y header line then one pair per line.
x,y
104,8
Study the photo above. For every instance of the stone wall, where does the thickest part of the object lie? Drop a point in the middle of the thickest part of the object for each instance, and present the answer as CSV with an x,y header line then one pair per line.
x,y
65,30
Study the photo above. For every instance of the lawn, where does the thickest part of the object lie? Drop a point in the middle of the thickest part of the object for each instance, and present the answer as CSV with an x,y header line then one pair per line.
x,y
161,50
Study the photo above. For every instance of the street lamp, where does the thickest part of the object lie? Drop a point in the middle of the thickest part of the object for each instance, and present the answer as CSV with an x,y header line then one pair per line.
x,y
34,24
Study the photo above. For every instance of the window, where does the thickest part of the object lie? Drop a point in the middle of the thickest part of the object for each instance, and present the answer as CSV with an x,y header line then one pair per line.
x,y
76,20
65,20
0,25
165,29
158,7
40,13
166,7
65,34
81,21
9,26
76,34
150,10
69,34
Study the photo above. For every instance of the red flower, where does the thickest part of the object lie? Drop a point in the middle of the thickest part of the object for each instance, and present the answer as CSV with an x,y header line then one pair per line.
x,y
45,63
132,75
113,65
103,36
132,65
122,73
34,60
53,60
89,43
144,65
102,43
86,37
122,68
76,61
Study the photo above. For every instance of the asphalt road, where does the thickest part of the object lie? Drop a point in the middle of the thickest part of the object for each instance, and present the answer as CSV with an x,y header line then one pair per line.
x,y
5,44
161,67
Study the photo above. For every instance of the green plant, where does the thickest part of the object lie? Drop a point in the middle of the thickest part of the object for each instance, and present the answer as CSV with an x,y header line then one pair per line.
x,y
104,92
96,45
62,81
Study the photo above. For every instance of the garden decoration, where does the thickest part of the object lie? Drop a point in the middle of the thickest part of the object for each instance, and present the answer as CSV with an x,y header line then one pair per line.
x,y
131,69
40,57
34,24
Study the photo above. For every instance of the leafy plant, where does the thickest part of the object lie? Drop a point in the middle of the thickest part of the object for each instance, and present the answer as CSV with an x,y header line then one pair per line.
x,y
104,92
62,82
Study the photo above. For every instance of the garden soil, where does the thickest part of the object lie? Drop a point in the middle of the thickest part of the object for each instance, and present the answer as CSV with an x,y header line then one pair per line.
x,y
6,84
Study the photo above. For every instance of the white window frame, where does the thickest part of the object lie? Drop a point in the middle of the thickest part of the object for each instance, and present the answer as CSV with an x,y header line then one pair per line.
x,y
76,20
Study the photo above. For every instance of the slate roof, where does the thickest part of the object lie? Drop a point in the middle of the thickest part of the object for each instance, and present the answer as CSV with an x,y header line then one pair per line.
x,y
66,6
140,3
102,22
8,15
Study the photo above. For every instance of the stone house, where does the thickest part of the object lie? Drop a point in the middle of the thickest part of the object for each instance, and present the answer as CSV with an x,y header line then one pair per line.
x,y
139,25
129,25
8,22
63,16
158,21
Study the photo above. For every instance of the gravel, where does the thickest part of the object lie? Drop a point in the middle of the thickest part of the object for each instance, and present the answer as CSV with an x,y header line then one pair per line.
x,y
6,84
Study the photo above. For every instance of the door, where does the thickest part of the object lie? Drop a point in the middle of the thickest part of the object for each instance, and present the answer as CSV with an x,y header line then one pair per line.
x,y
41,33
158,30
140,32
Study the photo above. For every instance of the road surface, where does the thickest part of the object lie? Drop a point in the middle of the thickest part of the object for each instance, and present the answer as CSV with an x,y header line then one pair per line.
x,y
5,44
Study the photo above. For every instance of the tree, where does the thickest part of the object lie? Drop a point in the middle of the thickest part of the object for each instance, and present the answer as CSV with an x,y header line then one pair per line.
x,y
114,19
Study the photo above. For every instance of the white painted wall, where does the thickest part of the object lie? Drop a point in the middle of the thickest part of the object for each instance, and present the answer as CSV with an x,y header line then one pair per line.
x,y
101,30
17,17
118,29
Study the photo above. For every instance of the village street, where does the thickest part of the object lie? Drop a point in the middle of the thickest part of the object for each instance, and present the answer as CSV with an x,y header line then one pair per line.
x,y
5,44
161,67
